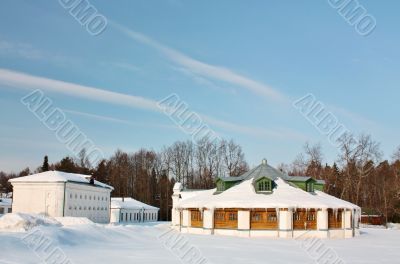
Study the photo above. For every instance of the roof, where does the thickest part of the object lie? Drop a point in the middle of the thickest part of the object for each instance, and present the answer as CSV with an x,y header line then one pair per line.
x,y
58,176
265,170
284,195
130,203
262,170
299,178
243,195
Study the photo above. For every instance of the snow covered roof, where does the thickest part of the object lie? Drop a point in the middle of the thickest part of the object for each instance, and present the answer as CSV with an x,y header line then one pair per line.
x,y
129,203
243,195
58,176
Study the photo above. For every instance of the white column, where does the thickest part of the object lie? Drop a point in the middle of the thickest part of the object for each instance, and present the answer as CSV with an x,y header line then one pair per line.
x,y
347,219
322,219
285,223
244,220
208,219
186,218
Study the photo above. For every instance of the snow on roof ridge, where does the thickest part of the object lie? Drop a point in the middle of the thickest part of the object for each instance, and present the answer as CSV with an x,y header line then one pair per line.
x,y
58,176
130,203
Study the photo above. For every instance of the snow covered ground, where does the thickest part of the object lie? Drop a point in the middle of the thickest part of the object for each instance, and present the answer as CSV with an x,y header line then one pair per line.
x,y
85,242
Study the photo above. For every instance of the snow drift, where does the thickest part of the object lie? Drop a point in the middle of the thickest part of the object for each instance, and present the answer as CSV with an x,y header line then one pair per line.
x,y
19,222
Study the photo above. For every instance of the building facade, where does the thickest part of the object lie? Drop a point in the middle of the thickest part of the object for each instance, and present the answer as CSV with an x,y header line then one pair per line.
x,y
5,206
59,194
264,202
129,210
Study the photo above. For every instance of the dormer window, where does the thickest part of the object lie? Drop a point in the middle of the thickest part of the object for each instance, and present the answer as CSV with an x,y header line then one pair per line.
x,y
310,187
220,186
264,185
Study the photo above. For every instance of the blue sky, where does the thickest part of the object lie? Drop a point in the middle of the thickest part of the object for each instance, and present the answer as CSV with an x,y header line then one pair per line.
x,y
240,65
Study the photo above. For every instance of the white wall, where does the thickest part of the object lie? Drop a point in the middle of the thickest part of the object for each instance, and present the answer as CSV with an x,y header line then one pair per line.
x,y
39,198
5,209
79,200
127,215
82,200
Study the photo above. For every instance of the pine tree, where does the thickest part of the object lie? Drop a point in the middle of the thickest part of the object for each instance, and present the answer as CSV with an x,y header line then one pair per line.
x,y
45,166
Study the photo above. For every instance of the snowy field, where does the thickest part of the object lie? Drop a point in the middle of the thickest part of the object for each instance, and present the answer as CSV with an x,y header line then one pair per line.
x,y
85,242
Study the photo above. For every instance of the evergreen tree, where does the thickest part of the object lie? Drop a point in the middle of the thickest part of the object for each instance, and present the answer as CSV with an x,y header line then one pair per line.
x,y
45,166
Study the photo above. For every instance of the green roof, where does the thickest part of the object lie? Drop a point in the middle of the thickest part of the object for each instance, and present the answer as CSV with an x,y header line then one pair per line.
x,y
265,170
262,170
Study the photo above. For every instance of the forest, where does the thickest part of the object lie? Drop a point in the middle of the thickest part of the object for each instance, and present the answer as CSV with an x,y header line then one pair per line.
x,y
358,175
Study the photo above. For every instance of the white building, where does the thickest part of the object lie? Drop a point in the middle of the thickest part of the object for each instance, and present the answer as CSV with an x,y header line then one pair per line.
x,y
59,194
129,210
264,202
5,206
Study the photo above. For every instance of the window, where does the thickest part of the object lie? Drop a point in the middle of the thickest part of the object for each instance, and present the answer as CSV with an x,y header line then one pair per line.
x,y
297,216
272,217
220,186
70,195
232,216
264,185
310,217
220,216
310,187
1,210
256,217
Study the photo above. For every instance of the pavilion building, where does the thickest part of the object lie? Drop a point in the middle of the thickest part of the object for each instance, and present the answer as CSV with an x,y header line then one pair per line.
x,y
264,202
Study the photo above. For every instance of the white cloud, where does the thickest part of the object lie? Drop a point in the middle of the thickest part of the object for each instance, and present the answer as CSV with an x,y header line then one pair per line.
x,y
29,52
116,120
26,81
204,69
20,80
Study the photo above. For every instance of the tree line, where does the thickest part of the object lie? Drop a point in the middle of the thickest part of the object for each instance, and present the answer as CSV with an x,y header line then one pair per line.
x,y
358,175
149,176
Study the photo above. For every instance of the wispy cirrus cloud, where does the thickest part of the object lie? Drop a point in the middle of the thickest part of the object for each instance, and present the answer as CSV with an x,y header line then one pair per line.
x,y
202,72
27,51
21,80
204,69
126,66
103,118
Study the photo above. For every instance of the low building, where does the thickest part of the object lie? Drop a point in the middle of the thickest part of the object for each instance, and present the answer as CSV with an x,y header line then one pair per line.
x,y
129,210
5,206
264,202
371,219
59,194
